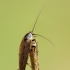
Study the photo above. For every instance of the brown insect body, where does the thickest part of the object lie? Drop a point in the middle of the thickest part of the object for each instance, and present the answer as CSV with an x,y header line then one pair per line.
x,y
24,50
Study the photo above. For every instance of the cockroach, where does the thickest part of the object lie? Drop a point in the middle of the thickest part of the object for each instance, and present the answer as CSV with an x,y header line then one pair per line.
x,y
25,44
34,55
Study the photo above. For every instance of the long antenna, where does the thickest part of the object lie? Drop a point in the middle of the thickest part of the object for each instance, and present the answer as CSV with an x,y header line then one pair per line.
x,y
35,24
44,38
38,17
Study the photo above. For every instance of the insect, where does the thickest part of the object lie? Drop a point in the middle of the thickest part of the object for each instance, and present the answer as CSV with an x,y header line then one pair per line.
x,y
25,44
34,55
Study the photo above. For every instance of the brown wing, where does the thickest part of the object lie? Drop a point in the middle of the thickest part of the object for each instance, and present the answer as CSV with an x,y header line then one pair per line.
x,y
23,53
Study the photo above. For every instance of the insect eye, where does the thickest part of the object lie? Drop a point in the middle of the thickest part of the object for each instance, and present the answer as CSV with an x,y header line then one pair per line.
x,y
33,43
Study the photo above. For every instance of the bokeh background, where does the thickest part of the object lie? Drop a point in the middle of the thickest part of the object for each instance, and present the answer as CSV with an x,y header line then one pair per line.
x,y
17,17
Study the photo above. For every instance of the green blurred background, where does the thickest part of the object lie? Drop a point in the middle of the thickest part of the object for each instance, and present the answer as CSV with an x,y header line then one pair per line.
x,y
17,17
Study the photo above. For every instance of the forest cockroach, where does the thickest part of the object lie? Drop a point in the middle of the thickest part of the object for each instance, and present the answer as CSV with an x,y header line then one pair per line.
x,y
25,44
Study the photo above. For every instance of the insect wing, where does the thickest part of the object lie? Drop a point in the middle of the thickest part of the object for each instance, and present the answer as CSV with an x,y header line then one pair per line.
x,y
23,53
